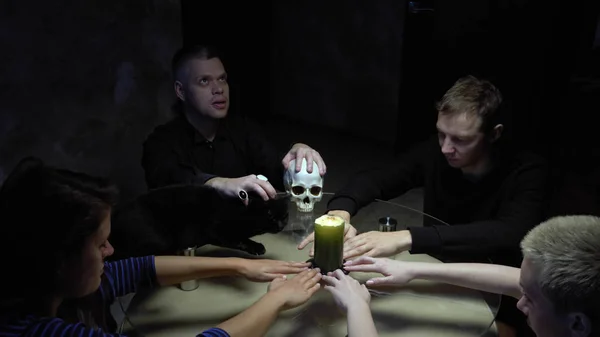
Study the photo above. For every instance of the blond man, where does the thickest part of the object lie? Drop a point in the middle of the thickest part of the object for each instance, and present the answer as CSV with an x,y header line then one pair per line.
x,y
558,284
489,190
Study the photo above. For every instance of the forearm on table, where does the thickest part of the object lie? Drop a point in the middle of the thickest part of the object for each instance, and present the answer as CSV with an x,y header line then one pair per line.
x,y
360,321
256,320
483,237
176,269
485,277
367,187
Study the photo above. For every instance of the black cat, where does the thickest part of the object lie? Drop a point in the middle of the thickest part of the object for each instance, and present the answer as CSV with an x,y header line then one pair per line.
x,y
167,220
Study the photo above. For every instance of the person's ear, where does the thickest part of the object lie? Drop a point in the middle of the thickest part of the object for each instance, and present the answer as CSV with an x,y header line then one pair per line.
x,y
179,90
580,324
496,133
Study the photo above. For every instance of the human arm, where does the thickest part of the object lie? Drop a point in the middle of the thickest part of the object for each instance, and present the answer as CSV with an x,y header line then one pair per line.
x,y
283,294
377,244
231,187
127,276
485,277
176,269
353,298
164,163
519,209
386,182
56,327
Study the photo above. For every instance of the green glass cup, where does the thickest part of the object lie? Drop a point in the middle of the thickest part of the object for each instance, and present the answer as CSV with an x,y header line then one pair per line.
x,y
329,243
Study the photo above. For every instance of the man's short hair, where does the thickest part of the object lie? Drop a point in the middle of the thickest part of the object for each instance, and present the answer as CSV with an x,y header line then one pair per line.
x,y
565,250
473,96
186,53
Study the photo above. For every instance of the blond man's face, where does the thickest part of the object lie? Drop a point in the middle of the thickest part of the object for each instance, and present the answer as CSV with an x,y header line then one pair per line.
x,y
541,314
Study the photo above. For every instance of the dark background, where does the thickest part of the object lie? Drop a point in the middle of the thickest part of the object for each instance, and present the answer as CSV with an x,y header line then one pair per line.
x,y
83,83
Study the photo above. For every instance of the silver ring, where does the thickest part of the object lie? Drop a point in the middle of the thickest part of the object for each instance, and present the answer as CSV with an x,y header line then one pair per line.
x,y
243,195
261,177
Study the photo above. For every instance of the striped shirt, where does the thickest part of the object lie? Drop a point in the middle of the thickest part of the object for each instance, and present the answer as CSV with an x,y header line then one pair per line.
x,y
120,278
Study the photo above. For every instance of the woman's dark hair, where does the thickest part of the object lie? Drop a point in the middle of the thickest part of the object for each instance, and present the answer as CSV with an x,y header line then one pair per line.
x,y
46,214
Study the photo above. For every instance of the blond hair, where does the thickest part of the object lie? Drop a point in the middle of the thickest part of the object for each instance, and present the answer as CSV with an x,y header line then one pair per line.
x,y
565,250
474,97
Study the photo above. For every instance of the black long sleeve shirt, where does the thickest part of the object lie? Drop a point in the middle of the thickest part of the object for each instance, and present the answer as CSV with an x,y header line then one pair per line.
x,y
488,217
176,153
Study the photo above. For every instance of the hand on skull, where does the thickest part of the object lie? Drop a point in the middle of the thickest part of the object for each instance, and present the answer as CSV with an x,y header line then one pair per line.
x,y
305,188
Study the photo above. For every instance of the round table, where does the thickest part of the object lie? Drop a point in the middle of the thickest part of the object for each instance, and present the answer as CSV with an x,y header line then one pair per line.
x,y
420,308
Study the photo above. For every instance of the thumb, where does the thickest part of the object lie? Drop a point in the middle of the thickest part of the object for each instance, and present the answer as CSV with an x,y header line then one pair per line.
x,y
388,280
276,278
306,241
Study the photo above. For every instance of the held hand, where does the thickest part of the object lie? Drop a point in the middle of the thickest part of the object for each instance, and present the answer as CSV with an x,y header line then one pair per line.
x,y
346,291
296,291
395,272
349,231
231,187
299,151
264,270
376,243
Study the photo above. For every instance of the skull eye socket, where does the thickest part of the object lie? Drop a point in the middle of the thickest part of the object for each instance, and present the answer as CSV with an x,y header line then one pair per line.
x,y
297,190
315,190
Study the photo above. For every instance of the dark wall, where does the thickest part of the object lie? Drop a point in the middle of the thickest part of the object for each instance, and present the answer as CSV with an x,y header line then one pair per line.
x,y
243,41
83,82
528,48
333,64
338,64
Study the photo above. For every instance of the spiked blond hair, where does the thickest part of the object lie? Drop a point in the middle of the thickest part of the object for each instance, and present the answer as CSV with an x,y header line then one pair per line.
x,y
565,250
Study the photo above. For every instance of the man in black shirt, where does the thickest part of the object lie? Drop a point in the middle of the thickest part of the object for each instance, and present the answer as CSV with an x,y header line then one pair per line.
x,y
198,165
206,146
489,192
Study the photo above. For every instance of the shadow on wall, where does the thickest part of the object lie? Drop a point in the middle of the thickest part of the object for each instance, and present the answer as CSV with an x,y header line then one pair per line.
x,y
84,82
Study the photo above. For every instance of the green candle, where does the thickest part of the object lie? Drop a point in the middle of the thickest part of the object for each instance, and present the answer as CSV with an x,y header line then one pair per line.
x,y
329,242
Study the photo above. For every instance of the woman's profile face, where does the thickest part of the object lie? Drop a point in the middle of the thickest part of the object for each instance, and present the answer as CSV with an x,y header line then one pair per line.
x,y
83,273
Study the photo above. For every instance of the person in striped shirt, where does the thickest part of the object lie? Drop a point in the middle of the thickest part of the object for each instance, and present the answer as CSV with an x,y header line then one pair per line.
x,y
55,228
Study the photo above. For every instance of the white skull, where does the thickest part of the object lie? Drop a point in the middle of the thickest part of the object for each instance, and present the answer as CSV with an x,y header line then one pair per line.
x,y
305,188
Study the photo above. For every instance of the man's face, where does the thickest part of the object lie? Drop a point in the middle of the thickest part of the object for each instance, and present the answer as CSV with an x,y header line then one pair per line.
x,y
461,141
202,86
541,315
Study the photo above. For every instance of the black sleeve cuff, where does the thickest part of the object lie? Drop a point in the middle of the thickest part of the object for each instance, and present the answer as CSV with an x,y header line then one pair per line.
x,y
342,203
425,240
204,177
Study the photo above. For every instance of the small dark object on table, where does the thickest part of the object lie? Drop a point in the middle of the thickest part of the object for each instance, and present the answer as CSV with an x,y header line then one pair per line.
x,y
313,265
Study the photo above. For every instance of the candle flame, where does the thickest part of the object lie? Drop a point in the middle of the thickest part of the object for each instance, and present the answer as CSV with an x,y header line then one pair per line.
x,y
329,220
